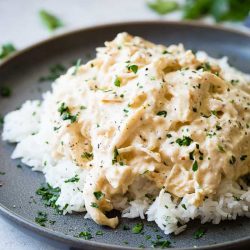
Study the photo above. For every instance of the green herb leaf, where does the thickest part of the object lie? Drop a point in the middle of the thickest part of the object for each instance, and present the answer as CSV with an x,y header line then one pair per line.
x,y
133,68
87,155
5,91
54,72
73,179
49,195
86,235
137,228
78,63
115,156
99,233
95,205
6,50
49,20
243,157
65,113
161,243
185,141
41,218
220,148
195,166
98,195
117,82
232,160
199,233
162,113
163,6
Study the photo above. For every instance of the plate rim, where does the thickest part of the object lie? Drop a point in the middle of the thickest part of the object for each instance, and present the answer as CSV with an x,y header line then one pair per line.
x,y
58,236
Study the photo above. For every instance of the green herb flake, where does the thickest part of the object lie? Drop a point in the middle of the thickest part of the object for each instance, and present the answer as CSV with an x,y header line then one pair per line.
x,y
220,148
95,205
49,20
98,195
6,50
77,65
54,72
243,157
185,141
133,68
100,233
161,243
87,155
184,206
126,227
1,120
162,113
137,228
163,6
73,179
117,82
115,156
5,91
49,195
65,113
2,173
232,160
199,233
85,235
195,166
41,218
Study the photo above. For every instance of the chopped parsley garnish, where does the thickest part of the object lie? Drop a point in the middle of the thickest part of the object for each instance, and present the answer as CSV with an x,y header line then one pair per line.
x,y
117,82
5,91
126,227
98,195
49,195
6,50
73,179
163,6
95,205
87,155
191,155
220,148
54,72
86,235
199,233
232,160
41,218
195,166
133,68
49,20
65,113
161,243
137,228
78,63
205,66
1,120
169,135
185,141
214,112
162,113
115,156
99,233
243,157
184,206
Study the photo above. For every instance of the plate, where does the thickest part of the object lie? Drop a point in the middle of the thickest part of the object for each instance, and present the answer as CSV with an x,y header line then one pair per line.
x,y
22,71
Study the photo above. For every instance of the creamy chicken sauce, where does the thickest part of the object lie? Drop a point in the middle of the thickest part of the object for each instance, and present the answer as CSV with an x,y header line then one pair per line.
x,y
140,109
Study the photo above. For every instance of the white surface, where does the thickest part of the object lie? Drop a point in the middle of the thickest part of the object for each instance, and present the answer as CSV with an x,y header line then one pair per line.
x,y
20,24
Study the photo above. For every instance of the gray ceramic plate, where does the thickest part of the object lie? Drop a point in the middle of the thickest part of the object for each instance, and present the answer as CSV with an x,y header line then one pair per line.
x,y
21,72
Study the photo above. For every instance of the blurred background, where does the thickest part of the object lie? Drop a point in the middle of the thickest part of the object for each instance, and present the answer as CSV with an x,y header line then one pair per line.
x,y
25,22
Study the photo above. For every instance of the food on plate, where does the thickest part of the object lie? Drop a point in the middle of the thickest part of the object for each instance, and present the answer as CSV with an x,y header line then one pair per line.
x,y
153,131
